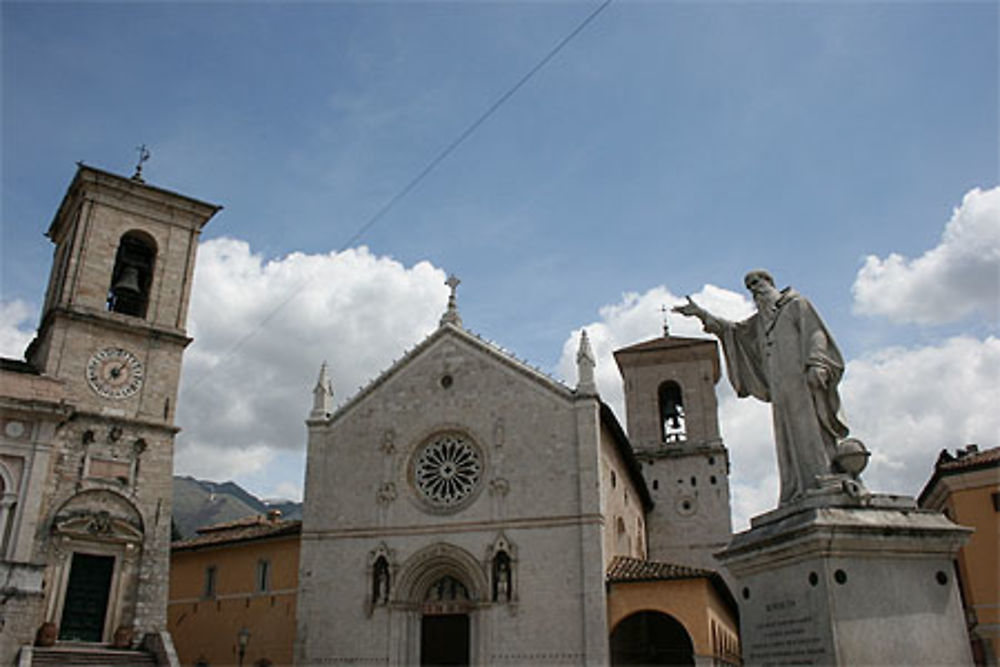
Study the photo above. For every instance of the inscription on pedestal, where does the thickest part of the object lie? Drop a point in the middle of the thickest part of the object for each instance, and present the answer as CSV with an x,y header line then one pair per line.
x,y
786,634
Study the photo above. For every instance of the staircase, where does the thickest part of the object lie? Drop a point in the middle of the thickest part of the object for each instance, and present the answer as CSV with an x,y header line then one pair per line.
x,y
88,655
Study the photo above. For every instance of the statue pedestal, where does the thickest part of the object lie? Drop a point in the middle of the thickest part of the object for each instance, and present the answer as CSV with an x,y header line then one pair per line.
x,y
850,582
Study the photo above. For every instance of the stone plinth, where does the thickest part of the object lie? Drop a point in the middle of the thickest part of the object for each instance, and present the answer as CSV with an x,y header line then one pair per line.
x,y
869,584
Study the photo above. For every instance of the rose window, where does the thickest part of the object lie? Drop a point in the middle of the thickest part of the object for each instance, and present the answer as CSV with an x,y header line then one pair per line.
x,y
447,470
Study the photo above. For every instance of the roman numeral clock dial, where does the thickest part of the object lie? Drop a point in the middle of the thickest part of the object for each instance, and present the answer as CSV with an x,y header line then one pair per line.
x,y
114,373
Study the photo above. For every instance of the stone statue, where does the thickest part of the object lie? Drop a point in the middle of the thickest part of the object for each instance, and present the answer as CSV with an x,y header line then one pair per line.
x,y
381,596
785,356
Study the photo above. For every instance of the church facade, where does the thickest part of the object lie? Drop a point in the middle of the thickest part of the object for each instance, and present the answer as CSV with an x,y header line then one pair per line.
x,y
465,508
87,420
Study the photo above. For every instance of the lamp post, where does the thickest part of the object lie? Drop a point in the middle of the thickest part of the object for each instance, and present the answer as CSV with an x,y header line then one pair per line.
x,y
242,639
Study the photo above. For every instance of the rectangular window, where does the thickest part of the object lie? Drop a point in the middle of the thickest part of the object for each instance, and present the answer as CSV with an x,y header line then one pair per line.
x,y
210,576
996,501
263,575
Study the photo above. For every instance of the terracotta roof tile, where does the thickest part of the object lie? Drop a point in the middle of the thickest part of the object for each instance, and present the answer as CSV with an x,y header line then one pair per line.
x,y
968,459
624,568
241,530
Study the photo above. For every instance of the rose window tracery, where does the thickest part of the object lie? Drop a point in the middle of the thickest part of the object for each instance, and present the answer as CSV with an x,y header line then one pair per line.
x,y
447,470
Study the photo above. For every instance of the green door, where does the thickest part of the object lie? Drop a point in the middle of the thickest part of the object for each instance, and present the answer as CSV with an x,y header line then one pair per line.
x,y
86,599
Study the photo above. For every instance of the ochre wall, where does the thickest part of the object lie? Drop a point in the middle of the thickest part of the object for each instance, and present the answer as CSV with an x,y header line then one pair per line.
x,y
969,503
206,628
692,602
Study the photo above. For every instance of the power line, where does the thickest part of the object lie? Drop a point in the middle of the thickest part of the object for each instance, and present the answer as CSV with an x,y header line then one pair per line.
x,y
475,124
421,175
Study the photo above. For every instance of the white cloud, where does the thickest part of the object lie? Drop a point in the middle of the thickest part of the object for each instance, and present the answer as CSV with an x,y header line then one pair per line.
x,y
745,424
262,329
959,276
639,317
14,337
222,463
905,404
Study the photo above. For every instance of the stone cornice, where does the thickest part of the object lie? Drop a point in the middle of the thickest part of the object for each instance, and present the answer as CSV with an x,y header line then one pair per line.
x,y
457,527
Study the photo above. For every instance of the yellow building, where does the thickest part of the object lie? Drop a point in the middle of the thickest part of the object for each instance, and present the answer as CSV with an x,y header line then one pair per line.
x,y
665,614
966,487
232,593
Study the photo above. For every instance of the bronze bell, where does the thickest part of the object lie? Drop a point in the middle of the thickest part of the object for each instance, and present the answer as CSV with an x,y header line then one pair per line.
x,y
128,282
672,413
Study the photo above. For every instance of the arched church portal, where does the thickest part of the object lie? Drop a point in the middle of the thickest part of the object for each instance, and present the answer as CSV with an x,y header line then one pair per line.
x,y
651,638
444,623
442,589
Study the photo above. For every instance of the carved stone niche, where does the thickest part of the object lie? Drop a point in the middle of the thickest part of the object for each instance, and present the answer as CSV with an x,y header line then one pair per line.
x,y
101,515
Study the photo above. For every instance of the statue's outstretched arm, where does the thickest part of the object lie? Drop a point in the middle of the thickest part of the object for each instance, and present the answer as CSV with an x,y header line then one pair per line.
x,y
709,322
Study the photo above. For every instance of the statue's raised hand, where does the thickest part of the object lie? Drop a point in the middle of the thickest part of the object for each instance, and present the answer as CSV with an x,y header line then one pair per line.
x,y
691,309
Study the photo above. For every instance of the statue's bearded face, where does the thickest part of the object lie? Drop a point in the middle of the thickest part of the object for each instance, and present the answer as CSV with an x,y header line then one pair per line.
x,y
761,286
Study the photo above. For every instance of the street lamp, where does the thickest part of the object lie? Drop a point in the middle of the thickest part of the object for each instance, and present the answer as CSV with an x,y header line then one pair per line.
x,y
242,639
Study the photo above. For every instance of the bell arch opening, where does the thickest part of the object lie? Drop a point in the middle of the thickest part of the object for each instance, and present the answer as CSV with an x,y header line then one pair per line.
x,y
651,638
132,275
673,427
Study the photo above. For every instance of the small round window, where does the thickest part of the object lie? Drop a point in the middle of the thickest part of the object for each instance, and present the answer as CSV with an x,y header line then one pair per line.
x,y
447,470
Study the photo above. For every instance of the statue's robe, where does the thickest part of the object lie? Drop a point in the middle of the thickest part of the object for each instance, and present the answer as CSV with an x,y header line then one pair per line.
x,y
769,360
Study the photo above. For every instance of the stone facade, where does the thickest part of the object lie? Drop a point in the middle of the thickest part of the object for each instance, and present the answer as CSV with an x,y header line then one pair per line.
x,y
87,443
465,502
862,585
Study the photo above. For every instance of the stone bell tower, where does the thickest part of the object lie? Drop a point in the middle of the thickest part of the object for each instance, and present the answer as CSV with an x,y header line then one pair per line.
x,y
112,335
672,416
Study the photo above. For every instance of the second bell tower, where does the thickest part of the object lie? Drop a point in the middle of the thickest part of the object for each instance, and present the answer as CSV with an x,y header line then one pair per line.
x,y
673,423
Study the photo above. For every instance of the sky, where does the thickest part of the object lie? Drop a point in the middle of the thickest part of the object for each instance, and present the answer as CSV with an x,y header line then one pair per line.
x,y
851,148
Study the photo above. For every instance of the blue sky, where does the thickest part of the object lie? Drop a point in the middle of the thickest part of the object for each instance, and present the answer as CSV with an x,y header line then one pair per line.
x,y
670,144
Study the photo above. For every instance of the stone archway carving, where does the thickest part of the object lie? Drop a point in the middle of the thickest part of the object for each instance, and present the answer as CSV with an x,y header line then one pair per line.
x,y
101,524
100,515
433,562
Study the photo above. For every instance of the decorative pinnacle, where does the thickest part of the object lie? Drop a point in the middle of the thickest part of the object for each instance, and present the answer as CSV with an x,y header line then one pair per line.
x,y
143,157
585,364
666,321
451,315
322,395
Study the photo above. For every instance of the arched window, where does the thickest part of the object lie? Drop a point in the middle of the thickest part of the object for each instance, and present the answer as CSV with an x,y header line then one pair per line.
x,y
133,274
672,424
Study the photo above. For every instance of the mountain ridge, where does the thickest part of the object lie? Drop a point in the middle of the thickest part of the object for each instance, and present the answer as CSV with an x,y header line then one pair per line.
x,y
199,503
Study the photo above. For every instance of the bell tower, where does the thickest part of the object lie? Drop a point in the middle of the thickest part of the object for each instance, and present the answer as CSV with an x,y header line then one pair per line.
x,y
112,335
672,417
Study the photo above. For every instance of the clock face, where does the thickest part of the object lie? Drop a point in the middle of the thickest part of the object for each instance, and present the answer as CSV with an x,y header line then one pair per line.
x,y
114,373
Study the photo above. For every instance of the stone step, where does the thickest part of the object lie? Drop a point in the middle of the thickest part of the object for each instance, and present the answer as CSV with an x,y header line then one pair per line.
x,y
90,656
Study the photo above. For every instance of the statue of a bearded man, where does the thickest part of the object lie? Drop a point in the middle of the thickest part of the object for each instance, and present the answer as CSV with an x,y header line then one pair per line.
x,y
785,356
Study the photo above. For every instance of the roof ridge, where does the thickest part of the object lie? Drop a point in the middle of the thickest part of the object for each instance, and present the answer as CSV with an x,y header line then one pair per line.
x,y
496,349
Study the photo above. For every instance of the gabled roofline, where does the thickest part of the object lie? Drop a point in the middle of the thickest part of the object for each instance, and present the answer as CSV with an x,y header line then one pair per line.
x,y
468,337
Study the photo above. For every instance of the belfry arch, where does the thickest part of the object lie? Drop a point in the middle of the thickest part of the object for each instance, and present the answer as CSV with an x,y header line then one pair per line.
x,y
132,275
673,419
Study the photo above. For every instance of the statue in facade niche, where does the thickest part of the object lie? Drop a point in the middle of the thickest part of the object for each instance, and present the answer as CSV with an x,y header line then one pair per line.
x,y
784,355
